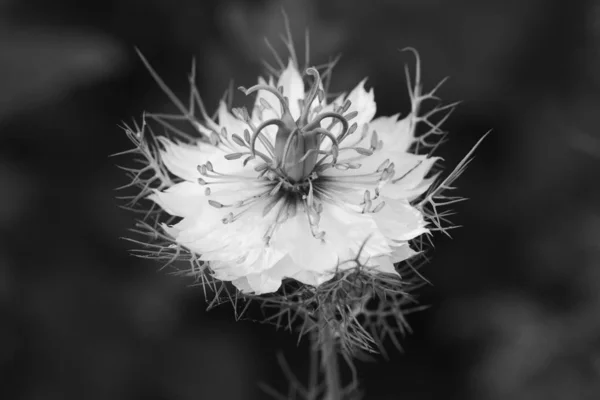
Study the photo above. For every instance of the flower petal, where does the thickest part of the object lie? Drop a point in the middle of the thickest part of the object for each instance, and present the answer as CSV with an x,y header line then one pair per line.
x,y
363,102
403,253
384,264
293,88
409,180
182,159
399,221
182,199
396,135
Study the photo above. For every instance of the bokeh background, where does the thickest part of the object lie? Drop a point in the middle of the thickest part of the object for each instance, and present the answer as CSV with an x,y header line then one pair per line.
x,y
515,295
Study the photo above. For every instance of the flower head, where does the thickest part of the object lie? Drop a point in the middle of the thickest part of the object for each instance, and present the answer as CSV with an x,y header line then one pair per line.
x,y
296,187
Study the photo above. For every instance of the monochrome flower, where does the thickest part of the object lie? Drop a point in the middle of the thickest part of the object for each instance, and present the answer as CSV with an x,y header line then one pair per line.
x,y
298,186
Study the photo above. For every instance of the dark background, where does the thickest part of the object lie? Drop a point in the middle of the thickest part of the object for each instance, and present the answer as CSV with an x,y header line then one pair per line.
x,y
515,301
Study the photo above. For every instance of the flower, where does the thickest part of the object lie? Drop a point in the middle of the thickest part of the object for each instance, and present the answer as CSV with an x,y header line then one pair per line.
x,y
300,187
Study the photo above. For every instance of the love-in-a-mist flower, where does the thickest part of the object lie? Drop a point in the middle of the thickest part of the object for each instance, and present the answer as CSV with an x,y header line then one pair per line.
x,y
308,195
298,186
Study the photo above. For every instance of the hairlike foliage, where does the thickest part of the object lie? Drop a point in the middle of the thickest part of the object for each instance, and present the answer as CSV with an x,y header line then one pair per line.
x,y
363,308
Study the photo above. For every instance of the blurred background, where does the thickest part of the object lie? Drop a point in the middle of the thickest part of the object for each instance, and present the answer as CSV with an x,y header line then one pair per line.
x,y
515,295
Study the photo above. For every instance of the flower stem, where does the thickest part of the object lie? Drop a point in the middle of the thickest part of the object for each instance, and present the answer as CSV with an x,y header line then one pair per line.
x,y
329,362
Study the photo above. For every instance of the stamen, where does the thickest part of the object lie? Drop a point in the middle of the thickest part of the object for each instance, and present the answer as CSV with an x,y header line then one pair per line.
x,y
340,182
367,201
213,138
378,207
238,140
383,165
310,197
276,189
362,151
314,217
215,204
266,104
318,108
270,206
344,107
351,115
228,219
349,132
277,93
238,113
374,140
234,156
261,167
388,173
283,215
320,235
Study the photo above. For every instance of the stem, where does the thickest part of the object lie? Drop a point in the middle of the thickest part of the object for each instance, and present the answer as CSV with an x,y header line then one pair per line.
x,y
329,361
313,376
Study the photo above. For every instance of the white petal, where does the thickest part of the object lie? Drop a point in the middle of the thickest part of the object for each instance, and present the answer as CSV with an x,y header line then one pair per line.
x,y
293,88
346,233
242,284
396,135
270,98
186,231
222,242
262,283
259,268
384,264
409,180
182,159
231,123
268,280
349,232
402,253
182,199
295,238
311,278
399,221
363,102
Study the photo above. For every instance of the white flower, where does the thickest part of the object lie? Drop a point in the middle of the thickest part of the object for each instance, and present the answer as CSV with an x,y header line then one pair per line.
x,y
299,187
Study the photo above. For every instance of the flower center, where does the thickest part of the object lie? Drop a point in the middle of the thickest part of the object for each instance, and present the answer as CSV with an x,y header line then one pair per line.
x,y
291,177
298,142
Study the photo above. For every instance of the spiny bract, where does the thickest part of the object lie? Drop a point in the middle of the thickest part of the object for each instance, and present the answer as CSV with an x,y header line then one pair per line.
x,y
298,186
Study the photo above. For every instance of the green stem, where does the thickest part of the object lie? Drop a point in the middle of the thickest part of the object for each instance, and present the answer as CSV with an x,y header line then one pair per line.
x,y
329,362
